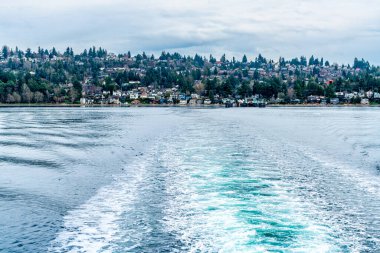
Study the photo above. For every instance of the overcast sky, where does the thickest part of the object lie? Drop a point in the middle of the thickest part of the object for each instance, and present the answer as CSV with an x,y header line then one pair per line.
x,y
338,30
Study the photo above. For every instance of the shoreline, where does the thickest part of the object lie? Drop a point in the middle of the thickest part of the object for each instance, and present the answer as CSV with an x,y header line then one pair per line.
x,y
182,106
322,106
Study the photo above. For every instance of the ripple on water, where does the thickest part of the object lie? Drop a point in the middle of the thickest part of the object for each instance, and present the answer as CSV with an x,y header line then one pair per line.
x,y
231,189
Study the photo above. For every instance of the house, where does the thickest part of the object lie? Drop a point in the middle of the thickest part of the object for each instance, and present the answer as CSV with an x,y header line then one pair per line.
x,y
91,90
194,96
313,99
117,93
349,96
207,101
364,101
134,83
114,100
144,95
133,96
183,102
369,94
339,95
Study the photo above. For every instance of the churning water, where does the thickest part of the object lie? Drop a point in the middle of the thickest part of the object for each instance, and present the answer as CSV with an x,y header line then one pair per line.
x,y
190,180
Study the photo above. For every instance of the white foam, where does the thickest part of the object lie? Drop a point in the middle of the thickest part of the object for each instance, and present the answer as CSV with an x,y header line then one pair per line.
x,y
94,226
199,212
221,230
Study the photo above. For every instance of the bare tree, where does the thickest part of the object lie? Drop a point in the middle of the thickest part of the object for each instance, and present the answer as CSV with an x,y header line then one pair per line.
x,y
38,97
26,94
10,99
17,97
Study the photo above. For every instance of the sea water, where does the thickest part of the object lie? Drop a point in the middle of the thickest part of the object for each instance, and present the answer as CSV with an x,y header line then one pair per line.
x,y
190,180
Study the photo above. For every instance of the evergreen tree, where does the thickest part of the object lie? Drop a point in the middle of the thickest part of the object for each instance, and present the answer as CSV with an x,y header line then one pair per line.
x,y
244,60
223,58
303,61
212,59
311,60
5,52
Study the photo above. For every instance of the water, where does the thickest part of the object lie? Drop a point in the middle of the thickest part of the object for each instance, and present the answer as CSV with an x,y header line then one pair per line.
x,y
190,180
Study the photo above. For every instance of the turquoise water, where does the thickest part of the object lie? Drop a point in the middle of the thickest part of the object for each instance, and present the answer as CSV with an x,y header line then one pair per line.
x,y
189,180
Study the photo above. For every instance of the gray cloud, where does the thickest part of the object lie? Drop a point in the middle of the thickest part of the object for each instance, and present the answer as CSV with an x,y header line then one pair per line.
x,y
338,30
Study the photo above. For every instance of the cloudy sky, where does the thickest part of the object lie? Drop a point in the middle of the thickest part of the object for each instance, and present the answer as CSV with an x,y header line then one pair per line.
x,y
338,30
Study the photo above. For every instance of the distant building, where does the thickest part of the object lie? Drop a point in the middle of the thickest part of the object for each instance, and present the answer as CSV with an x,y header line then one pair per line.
x,y
183,102
364,101
334,101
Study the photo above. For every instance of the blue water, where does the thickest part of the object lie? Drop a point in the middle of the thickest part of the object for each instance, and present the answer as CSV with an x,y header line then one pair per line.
x,y
190,180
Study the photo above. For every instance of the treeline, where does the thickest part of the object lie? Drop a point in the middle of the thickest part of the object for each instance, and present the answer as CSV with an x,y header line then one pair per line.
x,y
276,88
45,53
24,88
49,76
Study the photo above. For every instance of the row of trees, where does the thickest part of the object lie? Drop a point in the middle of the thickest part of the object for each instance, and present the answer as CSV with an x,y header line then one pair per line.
x,y
197,60
92,52
29,89
44,78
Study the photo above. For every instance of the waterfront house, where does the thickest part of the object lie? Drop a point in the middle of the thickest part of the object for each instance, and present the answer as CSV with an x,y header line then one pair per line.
x,y
144,95
207,101
313,99
364,101
183,102
193,101
334,101
133,96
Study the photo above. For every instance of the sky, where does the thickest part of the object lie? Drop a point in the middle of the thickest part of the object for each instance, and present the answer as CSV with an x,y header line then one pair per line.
x,y
337,30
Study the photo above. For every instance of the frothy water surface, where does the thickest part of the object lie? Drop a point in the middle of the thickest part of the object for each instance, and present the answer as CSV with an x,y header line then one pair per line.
x,y
181,180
